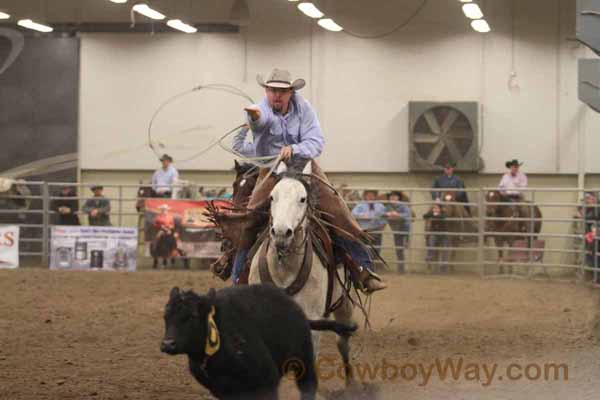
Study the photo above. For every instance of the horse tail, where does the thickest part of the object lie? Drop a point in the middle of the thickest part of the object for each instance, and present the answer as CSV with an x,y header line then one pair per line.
x,y
339,328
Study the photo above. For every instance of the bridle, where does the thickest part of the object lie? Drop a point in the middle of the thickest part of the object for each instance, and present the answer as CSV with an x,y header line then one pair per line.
x,y
299,226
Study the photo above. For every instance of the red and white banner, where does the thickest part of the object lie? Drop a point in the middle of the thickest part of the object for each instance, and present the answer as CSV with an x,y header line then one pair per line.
x,y
195,235
9,247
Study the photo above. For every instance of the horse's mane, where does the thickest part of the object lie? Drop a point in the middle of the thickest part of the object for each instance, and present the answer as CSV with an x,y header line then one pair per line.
x,y
311,190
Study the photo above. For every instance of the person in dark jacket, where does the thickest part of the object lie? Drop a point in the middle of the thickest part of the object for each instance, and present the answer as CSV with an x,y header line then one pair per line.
x,y
66,208
450,181
437,239
97,208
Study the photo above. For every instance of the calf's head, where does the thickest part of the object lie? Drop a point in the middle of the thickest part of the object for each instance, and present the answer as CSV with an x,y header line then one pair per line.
x,y
189,324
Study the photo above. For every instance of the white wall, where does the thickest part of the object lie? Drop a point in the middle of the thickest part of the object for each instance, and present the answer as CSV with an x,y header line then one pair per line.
x,y
360,88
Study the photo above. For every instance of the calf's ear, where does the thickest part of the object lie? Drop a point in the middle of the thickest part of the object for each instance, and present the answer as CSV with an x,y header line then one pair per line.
x,y
174,292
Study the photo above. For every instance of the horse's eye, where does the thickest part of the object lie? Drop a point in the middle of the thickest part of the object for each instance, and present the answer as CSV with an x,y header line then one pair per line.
x,y
303,200
271,198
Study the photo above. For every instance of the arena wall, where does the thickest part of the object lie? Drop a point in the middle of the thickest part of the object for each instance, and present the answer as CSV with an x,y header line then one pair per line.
x,y
360,88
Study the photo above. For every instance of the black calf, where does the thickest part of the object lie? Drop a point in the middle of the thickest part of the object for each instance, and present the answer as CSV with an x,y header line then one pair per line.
x,y
241,340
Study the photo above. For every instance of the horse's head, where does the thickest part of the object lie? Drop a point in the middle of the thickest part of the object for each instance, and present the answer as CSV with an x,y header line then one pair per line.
x,y
492,210
289,208
6,184
245,180
449,196
143,193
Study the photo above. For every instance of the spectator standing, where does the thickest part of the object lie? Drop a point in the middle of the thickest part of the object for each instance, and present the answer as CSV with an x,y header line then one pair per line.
x,y
97,208
66,207
590,211
164,177
450,181
370,216
437,239
399,218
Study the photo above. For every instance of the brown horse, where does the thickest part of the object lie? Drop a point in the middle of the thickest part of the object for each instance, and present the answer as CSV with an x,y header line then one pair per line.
x,y
246,176
457,211
509,225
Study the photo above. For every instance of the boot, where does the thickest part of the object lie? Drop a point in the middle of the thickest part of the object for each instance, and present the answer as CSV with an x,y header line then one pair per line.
x,y
371,282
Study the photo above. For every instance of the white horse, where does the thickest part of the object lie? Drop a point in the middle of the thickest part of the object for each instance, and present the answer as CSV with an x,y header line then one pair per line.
x,y
285,258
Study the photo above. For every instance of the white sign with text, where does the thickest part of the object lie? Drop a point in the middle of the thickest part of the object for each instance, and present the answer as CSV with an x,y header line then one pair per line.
x,y
9,247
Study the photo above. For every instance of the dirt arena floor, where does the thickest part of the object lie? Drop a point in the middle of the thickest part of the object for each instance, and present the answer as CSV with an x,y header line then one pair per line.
x,y
94,335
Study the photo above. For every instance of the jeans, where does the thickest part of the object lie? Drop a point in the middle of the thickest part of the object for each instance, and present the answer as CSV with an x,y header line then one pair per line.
x,y
356,250
377,238
438,254
238,264
400,242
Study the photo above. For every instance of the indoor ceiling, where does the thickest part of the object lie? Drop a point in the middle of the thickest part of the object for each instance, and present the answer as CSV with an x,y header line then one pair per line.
x,y
104,11
356,12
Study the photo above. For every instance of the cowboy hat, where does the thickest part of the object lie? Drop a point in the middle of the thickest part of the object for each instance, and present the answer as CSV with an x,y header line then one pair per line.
x,y
164,207
450,164
513,162
166,157
96,187
395,193
280,79
6,184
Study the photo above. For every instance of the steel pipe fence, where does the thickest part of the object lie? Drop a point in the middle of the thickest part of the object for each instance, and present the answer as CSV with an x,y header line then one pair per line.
x,y
469,243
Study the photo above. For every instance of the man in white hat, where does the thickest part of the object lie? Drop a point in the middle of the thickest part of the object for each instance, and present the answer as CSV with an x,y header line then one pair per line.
x,y
285,124
165,177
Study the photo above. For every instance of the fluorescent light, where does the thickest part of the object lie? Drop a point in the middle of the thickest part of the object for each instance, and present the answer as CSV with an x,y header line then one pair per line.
x,y
29,24
329,24
147,11
181,26
466,1
4,15
310,10
293,1
472,11
119,1
480,25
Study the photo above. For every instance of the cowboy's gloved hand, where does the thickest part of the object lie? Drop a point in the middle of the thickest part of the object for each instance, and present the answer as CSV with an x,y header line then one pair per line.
x,y
286,153
253,111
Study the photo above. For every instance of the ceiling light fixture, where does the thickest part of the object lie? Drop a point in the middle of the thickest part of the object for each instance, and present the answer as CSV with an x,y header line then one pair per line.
x,y
29,24
181,26
4,15
329,24
145,10
119,1
480,25
472,11
310,10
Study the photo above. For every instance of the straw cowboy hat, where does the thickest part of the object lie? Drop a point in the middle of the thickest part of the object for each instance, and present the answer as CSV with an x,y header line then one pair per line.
x,y
280,79
513,162
164,207
166,157
6,184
